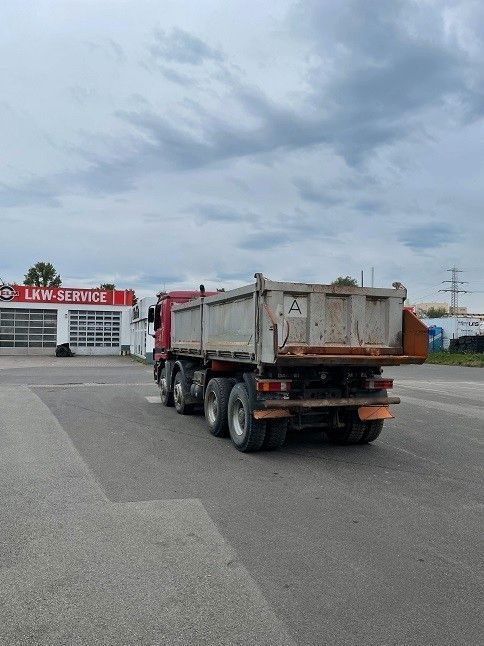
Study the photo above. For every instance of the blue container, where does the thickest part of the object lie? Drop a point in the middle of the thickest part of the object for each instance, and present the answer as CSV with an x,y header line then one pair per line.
x,y
436,338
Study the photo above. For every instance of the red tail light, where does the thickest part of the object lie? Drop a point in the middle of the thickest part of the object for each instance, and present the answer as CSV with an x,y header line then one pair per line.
x,y
272,386
377,384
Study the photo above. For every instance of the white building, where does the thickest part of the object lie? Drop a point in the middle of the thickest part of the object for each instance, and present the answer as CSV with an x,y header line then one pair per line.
x,y
35,320
141,344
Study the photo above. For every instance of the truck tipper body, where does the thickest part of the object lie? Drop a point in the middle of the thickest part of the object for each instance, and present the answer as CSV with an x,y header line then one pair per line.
x,y
273,355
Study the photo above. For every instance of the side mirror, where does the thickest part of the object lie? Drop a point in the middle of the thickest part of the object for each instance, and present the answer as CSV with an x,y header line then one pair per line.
x,y
151,314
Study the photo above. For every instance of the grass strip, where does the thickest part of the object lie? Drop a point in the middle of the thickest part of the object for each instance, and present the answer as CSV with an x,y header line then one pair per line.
x,y
457,359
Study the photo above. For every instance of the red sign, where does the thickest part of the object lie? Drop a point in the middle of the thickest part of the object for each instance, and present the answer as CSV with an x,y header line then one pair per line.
x,y
66,295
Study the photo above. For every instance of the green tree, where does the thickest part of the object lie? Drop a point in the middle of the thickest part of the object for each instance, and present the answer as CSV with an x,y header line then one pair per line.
x,y
346,281
43,274
436,312
110,286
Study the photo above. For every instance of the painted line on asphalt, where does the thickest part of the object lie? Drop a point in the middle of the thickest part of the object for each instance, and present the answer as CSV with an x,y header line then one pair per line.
x,y
424,385
85,384
466,410
415,455
153,399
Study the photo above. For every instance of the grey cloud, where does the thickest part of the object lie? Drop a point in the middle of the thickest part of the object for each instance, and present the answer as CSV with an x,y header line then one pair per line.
x,y
175,77
368,206
428,236
264,240
82,95
220,213
310,193
110,47
244,277
286,229
138,99
157,217
31,192
156,280
217,139
390,62
182,47
390,74
117,50
299,225
373,101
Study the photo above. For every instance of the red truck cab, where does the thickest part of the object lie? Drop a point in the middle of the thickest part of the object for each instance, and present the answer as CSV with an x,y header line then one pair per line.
x,y
160,315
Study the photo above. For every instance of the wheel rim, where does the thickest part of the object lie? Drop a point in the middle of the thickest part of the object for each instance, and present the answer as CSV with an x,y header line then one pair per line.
x,y
178,394
239,418
212,408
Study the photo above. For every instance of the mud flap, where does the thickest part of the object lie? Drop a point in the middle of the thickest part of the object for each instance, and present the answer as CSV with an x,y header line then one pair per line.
x,y
367,413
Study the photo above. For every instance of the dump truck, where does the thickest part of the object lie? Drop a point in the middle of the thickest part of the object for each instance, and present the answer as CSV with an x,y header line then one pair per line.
x,y
271,356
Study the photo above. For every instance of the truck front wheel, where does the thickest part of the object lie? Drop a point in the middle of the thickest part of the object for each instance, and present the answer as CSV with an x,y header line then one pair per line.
x,y
246,432
216,405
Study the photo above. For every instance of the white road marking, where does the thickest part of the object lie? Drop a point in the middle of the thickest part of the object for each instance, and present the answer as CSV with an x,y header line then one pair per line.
x,y
467,410
415,455
88,384
445,388
153,399
426,385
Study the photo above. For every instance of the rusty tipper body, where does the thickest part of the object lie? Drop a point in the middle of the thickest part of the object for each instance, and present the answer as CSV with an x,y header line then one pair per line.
x,y
271,354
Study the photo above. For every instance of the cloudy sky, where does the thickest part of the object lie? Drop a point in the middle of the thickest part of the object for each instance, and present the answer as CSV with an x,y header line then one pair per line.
x,y
163,143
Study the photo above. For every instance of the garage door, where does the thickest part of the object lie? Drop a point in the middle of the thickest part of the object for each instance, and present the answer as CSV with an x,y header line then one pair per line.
x,y
94,332
27,331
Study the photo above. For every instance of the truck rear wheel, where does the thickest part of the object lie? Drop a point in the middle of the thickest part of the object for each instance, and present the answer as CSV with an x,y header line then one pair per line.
x,y
179,397
373,430
356,431
246,432
275,434
165,395
216,405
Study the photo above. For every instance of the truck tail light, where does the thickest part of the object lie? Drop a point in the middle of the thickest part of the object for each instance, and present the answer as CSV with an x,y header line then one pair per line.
x,y
272,386
377,384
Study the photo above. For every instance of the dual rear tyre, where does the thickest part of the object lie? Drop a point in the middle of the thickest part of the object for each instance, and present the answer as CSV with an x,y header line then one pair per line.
x,y
228,412
356,431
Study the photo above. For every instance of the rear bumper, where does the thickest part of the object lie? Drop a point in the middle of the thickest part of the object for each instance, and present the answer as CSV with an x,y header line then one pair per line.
x,y
329,403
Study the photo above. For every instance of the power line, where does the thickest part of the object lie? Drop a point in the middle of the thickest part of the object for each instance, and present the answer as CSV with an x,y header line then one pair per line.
x,y
454,289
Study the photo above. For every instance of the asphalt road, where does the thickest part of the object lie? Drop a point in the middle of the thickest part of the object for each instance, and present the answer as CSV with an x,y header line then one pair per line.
x,y
124,523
